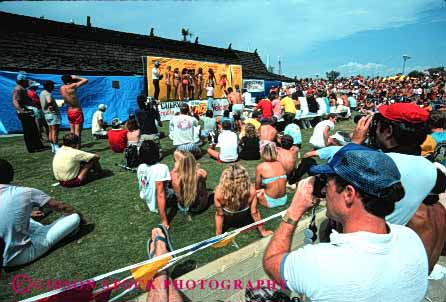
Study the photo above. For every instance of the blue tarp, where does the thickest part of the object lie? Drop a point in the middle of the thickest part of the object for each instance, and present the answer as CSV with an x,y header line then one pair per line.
x,y
120,102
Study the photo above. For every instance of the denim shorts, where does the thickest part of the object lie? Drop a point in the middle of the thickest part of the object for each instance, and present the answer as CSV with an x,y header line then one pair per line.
x,y
52,119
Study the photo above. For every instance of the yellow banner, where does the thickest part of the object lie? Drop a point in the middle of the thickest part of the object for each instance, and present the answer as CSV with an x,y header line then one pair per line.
x,y
188,79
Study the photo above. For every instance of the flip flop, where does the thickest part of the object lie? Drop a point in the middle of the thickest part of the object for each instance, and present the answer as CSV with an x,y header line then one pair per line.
x,y
166,234
149,242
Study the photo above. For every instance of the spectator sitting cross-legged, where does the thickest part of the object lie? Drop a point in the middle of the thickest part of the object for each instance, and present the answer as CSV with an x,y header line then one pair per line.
x,y
235,201
227,142
117,137
98,124
292,129
71,165
133,132
226,117
153,178
182,131
249,144
26,239
271,178
209,126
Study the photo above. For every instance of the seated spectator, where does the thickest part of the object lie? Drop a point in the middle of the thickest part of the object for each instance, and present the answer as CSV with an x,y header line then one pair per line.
x,y
71,165
226,117
182,131
437,125
320,137
147,117
289,105
26,239
266,107
153,178
133,132
292,129
287,153
254,120
209,126
227,142
268,133
249,144
98,124
189,183
271,178
361,189
235,201
117,137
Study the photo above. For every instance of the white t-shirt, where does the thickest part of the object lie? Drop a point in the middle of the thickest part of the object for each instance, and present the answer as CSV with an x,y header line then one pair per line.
x,y
155,74
247,99
147,178
182,129
227,142
360,266
317,139
210,91
97,116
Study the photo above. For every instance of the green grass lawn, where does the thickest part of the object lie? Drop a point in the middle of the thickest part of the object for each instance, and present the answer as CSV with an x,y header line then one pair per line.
x,y
122,221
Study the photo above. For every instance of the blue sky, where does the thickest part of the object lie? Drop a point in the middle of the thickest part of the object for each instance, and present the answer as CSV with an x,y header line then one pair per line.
x,y
310,36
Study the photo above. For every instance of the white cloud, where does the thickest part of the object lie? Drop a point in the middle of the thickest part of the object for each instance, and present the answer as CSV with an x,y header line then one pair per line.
x,y
354,68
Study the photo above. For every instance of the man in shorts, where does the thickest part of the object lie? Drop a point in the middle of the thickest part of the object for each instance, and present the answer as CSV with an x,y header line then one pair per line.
x,y
68,92
51,113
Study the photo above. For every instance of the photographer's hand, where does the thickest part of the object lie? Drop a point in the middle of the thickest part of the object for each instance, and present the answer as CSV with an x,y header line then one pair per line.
x,y
361,131
303,199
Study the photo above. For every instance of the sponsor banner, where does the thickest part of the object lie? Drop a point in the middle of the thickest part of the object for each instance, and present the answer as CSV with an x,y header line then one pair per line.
x,y
254,85
199,107
191,83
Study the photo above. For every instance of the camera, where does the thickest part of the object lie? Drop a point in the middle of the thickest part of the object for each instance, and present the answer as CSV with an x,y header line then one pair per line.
x,y
319,184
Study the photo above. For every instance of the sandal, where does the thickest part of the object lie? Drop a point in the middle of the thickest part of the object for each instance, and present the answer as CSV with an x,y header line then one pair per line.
x,y
149,242
166,234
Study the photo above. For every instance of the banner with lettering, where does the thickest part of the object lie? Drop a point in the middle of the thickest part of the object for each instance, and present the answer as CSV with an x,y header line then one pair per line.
x,y
195,75
169,109
254,85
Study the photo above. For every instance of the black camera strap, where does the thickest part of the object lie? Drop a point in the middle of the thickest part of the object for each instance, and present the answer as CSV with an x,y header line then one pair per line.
x,y
310,234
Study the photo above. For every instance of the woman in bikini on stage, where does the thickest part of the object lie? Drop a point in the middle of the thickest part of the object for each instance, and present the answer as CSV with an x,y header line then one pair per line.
x,y
211,78
271,178
199,79
176,84
191,84
184,85
235,201
168,81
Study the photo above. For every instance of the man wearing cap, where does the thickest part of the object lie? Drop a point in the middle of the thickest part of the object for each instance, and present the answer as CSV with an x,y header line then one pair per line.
x,y
399,130
365,262
52,114
37,108
98,124
68,92
22,103
117,137
182,131
156,77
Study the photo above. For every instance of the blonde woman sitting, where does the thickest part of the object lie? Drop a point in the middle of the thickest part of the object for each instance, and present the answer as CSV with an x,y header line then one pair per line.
x,y
235,201
271,178
189,183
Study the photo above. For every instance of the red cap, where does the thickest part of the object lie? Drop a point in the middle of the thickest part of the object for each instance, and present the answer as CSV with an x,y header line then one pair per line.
x,y
404,112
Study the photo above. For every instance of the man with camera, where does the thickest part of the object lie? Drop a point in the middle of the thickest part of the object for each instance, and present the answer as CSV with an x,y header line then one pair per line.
x,y
361,189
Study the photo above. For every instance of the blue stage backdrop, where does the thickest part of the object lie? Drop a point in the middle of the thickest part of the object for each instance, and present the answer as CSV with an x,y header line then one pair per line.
x,y
120,101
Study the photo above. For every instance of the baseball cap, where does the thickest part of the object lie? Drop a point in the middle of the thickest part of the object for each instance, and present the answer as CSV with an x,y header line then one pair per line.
x,y
366,169
115,122
102,107
21,76
404,112
34,84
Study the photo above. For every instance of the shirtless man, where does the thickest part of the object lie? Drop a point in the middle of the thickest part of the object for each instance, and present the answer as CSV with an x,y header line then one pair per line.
x,y
286,153
68,92
235,98
267,131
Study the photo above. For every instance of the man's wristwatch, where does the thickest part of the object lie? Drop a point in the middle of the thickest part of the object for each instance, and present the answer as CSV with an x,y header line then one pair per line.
x,y
288,220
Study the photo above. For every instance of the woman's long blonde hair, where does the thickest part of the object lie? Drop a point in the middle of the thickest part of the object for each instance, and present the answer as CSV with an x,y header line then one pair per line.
x,y
235,186
186,167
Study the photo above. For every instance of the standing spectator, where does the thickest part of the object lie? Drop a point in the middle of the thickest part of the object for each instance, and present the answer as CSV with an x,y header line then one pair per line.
x,y
75,114
117,137
289,105
227,142
52,114
152,180
182,131
271,178
247,98
266,107
71,165
25,239
320,137
37,108
156,77
361,188
98,124
21,103
210,95
249,144
235,201
147,117
235,98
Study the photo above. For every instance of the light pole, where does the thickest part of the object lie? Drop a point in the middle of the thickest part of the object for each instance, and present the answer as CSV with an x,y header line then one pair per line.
x,y
405,58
